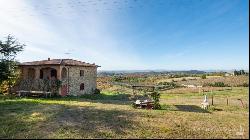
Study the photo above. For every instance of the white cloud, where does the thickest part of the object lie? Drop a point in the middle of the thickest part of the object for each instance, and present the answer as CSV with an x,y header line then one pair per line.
x,y
51,35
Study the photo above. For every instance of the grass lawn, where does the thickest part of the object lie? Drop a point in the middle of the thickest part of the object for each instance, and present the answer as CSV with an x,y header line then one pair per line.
x,y
111,115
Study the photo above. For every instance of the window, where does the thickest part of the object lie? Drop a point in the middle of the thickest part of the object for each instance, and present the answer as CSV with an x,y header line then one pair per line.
x,y
53,73
82,86
41,74
81,72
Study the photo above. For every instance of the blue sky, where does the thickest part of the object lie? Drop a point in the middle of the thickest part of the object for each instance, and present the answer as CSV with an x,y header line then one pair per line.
x,y
132,34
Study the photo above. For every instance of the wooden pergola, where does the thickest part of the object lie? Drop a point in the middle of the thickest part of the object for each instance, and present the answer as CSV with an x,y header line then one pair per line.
x,y
149,88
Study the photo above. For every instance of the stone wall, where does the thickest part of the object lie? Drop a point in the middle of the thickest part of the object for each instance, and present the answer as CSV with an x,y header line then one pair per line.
x,y
75,80
72,77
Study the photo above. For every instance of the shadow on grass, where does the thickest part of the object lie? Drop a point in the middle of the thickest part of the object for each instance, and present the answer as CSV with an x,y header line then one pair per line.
x,y
184,108
62,121
120,99
190,108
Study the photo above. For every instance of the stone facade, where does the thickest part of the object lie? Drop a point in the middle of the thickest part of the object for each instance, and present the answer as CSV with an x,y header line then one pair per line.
x,y
77,77
75,80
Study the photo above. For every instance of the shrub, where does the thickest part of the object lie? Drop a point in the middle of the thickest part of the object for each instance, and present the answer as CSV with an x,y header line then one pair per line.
x,y
245,85
97,91
133,105
203,76
4,87
217,84
167,85
156,97
183,79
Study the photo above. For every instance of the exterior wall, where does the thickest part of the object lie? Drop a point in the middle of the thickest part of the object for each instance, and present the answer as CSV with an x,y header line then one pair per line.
x,y
75,80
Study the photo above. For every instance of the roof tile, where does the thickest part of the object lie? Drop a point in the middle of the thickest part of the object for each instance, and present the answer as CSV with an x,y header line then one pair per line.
x,y
67,62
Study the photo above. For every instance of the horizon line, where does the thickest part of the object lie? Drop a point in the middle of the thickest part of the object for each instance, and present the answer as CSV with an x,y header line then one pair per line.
x,y
178,70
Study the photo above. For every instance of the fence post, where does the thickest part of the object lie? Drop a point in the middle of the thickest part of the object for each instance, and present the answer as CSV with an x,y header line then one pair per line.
x,y
212,99
133,90
242,104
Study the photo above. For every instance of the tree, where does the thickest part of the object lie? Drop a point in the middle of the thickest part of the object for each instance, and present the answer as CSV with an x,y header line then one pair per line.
x,y
236,72
156,98
10,47
242,72
8,64
203,76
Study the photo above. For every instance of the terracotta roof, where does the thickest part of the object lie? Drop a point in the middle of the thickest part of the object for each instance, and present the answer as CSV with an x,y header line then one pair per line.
x,y
66,62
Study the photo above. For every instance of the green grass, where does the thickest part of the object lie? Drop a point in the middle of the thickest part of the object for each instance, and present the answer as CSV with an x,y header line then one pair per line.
x,y
237,92
111,115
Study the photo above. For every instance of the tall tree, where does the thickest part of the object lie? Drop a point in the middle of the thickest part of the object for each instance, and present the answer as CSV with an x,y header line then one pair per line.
x,y
10,48
242,72
8,51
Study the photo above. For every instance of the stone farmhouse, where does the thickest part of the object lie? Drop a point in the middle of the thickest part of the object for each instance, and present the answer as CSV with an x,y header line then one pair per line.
x,y
77,78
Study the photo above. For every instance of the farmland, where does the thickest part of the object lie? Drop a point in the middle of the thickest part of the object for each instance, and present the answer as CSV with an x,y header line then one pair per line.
x,y
111,115
105,83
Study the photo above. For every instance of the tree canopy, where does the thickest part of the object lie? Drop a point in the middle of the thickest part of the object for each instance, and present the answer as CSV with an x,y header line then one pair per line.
x,y
10,48
8,51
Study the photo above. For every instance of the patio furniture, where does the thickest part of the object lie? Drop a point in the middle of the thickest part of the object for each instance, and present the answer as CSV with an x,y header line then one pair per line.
x,y
205,103
26,93
148,104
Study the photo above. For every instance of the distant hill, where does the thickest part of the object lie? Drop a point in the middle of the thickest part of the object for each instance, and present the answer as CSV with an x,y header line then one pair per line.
x,y
147,72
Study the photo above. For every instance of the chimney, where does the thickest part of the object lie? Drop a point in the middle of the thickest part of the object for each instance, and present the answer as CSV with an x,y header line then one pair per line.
x,y
48,59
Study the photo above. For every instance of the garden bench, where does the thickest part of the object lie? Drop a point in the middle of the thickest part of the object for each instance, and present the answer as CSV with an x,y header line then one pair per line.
x,y
20,92
25,92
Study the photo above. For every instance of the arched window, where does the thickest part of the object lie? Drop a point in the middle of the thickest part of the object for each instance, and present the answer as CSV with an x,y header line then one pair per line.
x,y
82,86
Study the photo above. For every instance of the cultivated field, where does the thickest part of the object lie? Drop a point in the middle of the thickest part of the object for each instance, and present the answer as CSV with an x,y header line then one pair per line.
x,y
110,115
104,82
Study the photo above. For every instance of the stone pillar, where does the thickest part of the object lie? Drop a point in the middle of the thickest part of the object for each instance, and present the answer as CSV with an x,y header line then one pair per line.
x,y
24,73
37,72
58,69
